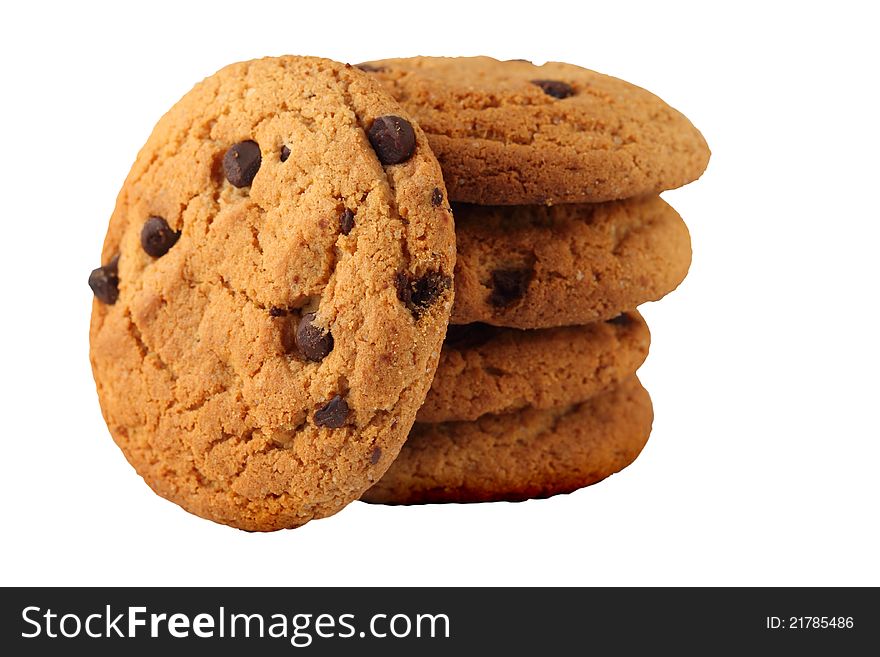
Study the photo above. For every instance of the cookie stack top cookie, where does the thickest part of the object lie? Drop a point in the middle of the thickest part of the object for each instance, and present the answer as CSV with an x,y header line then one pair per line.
x,y
276,284
512,133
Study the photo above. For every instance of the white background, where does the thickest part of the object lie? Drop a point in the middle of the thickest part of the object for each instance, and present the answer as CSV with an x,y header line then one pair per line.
x,y
763,464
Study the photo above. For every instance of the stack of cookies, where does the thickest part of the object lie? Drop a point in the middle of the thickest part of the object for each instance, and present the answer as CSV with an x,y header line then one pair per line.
x,y
553,173
281,269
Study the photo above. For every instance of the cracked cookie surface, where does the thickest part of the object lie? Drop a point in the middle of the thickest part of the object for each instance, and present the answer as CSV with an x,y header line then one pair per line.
x,y
538,267
517,456
275,290
512,133
487,369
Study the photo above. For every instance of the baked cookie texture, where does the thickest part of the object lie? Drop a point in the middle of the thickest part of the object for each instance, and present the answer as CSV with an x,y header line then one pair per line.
x,y
539,267
275,290
485,369
512,133
523,455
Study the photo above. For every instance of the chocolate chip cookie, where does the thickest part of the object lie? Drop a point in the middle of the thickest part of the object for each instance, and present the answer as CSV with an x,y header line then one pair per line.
x,y
487,369
527,454
511,133
275,288
537,266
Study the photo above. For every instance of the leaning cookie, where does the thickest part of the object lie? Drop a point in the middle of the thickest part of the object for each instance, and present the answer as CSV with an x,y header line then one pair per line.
x,y
523,455
511,133
486,369
538,267
275,290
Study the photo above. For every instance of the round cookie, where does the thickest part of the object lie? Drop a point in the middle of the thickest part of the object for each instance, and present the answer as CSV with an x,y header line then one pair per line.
x,y
512,133
523,455
486,369
276,288
538,266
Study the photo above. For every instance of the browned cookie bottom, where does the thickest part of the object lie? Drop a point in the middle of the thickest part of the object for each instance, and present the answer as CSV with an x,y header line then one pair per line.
x,y
519,456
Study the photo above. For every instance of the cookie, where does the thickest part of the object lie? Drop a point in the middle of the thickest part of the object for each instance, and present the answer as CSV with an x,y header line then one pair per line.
x,y
537,266
511,133
528,454
486,369
275,291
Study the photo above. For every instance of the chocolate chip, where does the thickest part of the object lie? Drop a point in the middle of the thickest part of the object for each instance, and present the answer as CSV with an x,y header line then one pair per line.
x,y
241,163
371,68
285,153
555,88
469,336
509,285
527,61
436,197
623,319
157,237
420,293
393,139
275,311
346,221
375,455
333,414
312,341
104,282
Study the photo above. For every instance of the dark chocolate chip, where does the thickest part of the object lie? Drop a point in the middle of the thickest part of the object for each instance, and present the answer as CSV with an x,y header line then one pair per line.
x,y
346,221
469,336
375,455
333,414
104,282
157,237
393,139
285,153
420,293
527,61
241,163
312,341
275,311
371,68
436,197
509,285
555,88
623,319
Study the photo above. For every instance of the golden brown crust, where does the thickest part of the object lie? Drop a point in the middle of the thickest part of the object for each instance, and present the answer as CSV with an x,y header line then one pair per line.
x,y
523,455
581,263
485,369
501,139
199,379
